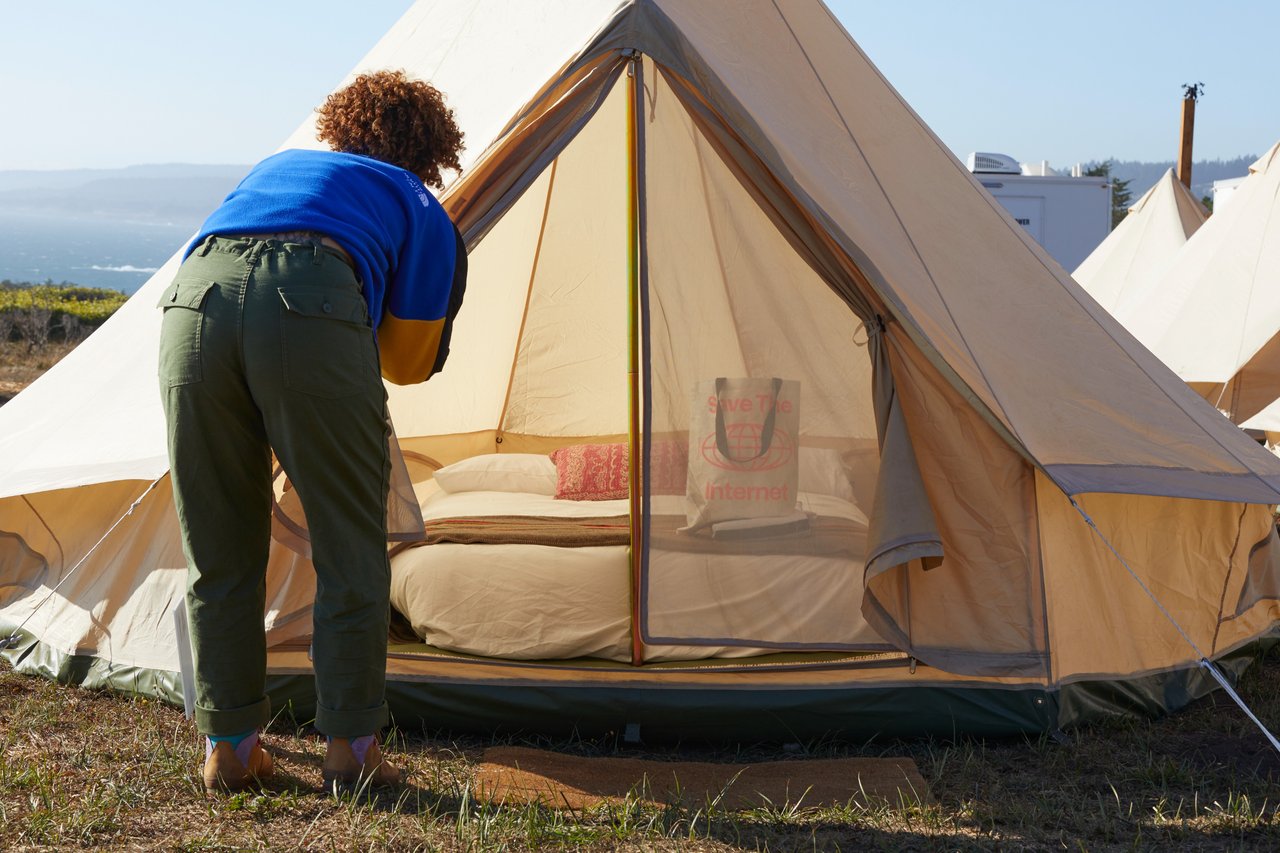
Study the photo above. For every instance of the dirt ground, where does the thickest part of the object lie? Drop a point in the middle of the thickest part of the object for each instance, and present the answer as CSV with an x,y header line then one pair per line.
x,y
19,366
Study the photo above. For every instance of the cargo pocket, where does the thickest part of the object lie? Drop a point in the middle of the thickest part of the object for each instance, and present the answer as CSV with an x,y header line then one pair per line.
x,y
327,342
180,331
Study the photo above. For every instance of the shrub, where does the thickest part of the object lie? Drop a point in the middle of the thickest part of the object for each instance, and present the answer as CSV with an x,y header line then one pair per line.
x,y
40,312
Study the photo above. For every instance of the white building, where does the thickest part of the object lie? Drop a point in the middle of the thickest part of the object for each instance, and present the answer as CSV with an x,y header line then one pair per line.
x,y
1223,190
1069,215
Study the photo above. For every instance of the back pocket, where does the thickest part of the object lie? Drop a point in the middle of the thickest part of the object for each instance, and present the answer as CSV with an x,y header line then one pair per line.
x,y
328,348
181,362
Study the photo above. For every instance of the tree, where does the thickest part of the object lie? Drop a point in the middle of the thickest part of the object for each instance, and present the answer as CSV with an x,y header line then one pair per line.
x,y
1121,195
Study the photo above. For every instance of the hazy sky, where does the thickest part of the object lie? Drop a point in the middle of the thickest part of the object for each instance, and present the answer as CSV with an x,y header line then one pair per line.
x,y
91,83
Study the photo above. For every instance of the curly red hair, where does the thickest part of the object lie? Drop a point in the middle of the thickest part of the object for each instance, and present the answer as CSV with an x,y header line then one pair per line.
x,y
390,117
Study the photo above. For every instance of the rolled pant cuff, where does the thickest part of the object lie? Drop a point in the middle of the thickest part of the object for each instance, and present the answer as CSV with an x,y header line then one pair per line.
x,y
351,724
233,721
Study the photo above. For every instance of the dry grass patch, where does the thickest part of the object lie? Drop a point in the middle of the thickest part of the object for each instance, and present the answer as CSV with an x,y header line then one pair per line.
x,y
82,769
20,366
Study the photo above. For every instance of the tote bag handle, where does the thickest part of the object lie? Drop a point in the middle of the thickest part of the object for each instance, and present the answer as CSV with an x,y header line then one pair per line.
x,y
766,432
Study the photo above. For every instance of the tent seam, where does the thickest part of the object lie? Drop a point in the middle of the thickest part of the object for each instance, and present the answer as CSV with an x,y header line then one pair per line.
x,y
528,298
889,201
62,554
1226,580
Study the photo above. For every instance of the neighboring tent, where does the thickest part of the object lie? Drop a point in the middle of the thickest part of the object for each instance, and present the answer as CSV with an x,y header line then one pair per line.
x,y
1215,281
1141,247
1214,314
791,217
1211,309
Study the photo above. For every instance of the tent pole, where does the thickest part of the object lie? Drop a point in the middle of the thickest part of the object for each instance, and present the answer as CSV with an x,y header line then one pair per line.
x,y
635,82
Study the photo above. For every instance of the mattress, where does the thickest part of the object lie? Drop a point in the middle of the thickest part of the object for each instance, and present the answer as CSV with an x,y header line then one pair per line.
x,y
537,602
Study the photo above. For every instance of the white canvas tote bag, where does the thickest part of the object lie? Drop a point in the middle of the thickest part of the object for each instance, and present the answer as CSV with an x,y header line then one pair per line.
x,y
743,461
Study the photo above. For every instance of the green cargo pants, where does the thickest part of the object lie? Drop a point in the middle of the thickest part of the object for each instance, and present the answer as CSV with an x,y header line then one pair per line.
x,y
268,345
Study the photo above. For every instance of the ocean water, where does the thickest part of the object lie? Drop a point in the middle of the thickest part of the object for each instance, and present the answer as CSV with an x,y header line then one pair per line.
x,y
98,252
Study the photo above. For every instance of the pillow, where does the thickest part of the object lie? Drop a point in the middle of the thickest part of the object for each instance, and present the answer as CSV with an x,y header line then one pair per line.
x,y
592,472
500,472
822,470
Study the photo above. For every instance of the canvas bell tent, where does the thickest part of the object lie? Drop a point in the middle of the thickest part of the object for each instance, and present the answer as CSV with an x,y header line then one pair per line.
x,y
1140,249
660,194
1214,313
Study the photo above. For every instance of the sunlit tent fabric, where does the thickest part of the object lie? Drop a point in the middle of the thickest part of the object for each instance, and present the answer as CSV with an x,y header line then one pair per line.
x,y
1140,249
1214,315
662,192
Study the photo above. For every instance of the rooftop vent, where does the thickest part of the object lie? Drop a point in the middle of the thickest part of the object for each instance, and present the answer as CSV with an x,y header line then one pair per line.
x,y
1000,164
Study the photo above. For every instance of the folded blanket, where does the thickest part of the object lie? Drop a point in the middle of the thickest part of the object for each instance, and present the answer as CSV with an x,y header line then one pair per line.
x,y
761,528
821,536
824,535
530,530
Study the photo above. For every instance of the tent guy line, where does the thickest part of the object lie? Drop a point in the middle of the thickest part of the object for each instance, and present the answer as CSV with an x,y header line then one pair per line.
x,y
1204,660
15,636
1226,685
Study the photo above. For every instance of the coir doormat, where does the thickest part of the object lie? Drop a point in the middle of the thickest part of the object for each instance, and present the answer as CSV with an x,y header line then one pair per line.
x,y
524,775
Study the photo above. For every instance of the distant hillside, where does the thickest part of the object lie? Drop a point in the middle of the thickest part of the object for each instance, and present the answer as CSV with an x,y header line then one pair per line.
x,y
185,194
168,193
1143,176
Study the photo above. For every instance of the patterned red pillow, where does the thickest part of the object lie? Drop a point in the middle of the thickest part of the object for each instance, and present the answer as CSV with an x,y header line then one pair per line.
x,y
592,472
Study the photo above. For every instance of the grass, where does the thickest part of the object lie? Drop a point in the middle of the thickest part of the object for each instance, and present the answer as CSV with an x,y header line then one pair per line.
x,y
83,769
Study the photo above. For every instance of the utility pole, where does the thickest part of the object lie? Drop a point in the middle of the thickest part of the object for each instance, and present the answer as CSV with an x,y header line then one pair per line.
x,y
1191,92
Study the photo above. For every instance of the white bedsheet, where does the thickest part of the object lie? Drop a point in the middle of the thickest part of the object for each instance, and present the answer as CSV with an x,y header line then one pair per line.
x,y
531,602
